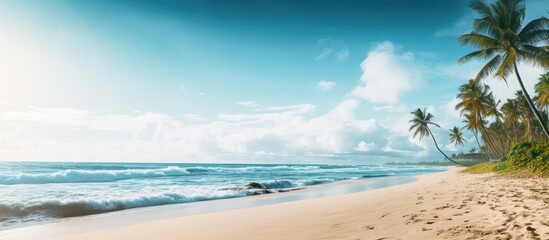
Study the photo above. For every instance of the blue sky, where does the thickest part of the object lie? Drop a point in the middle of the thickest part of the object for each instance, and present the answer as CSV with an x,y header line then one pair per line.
x,y
230,81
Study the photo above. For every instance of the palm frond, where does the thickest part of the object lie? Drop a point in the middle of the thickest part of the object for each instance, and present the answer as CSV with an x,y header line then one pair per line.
x,y
483,54
506,67
533,26
489,68
478,40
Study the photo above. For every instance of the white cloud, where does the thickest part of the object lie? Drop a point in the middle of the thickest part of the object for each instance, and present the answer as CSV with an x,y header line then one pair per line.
x,y
325,85
84,118
247,104
282,130
450,108
364,146
386,74
296,108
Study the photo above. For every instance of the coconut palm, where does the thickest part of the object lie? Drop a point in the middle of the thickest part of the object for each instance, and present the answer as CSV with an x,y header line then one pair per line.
x,y
526,117
498,131
473,98
456,136
420,126
542,91
499,36
512,115
474,124
474,103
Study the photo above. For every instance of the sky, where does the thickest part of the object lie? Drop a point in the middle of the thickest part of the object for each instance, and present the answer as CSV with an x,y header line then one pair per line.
x,y
240,81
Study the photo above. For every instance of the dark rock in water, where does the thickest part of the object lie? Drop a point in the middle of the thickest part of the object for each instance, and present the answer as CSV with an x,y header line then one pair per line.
x,y
254,185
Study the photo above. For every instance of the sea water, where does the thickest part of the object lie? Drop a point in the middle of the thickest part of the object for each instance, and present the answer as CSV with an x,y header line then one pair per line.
x,y
33,192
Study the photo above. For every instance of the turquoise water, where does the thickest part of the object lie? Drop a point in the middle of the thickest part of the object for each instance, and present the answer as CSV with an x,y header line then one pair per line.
x,y
34,192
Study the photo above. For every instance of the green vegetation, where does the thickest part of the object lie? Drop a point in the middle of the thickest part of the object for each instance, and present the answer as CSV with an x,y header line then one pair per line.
x,y
527,157
517,131
533,157
487,167
434,163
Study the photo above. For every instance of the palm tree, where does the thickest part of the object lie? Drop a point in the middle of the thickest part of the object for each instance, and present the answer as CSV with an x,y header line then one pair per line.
x,y
526,115
473,124
474,98
512,115
420,126
542,91
492,110
500,37
474,104
456,136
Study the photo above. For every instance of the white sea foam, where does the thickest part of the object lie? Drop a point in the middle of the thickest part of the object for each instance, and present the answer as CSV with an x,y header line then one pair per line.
x,y
76,175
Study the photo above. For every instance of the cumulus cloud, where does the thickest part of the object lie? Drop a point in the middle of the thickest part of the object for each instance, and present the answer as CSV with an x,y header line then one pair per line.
x,y
281,130
386,74
363,146
325,85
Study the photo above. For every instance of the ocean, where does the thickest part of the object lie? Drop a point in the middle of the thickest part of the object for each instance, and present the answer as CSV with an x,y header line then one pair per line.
x,y
32,192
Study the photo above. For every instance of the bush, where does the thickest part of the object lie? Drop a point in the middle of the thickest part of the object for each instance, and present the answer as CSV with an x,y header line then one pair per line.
x,y
487,167
529,156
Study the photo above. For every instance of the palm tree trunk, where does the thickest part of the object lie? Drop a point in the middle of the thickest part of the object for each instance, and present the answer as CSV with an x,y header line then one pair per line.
x,y
504,141
475,133
493,145
530,103
516,131
436,145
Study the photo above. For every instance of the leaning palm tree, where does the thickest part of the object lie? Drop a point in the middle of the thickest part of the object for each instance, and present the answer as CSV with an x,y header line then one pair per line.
x,y
420,126
456,136
500,37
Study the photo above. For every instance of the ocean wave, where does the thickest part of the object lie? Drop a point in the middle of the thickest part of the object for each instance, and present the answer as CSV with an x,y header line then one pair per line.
x,y
286,184
75,176
61,209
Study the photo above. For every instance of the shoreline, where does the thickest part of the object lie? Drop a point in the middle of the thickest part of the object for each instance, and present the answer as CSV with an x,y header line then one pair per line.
x,y
446,205
104,221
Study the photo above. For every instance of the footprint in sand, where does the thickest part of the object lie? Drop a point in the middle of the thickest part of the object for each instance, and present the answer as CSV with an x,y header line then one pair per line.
x,y
369,227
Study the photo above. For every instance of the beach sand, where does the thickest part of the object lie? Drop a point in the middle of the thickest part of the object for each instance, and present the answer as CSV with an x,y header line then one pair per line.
x,y
447,205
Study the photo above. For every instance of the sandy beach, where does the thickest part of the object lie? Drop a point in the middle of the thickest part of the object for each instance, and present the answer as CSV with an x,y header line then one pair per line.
x,y
448,205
